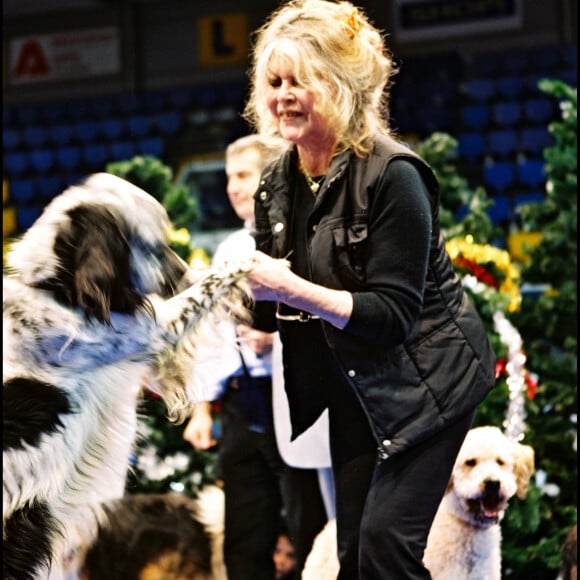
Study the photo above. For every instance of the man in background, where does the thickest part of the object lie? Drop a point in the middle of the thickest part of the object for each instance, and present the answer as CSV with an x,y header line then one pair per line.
x,y
259,487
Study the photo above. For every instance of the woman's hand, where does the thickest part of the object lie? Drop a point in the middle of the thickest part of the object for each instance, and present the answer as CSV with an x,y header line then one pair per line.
x,y
269,277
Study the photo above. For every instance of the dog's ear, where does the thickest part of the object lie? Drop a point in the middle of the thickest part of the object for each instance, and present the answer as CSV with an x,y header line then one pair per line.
x,y
523,468
449,487
94,252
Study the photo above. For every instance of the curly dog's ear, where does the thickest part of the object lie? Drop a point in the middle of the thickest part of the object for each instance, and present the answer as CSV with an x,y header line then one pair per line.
x,y
524,458
449,487
94,255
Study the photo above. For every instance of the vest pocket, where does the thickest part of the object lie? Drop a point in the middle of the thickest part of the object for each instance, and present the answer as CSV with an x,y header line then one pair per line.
x,y
350,249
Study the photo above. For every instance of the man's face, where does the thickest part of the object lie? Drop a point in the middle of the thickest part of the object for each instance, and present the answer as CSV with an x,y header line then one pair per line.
x,y
243,172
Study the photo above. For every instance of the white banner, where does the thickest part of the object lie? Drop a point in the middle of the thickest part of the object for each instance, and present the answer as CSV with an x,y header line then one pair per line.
x,y
64,56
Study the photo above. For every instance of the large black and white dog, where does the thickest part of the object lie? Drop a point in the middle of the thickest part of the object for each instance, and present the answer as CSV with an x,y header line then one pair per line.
x,y
91,314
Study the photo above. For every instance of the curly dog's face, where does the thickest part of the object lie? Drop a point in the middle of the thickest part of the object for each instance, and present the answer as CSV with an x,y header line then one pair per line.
x,y
489,470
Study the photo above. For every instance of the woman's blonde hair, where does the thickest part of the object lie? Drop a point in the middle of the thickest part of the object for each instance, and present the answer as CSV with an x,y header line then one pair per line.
x,y
337,53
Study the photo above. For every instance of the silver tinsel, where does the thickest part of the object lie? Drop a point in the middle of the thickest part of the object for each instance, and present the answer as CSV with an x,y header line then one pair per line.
x,y
514,423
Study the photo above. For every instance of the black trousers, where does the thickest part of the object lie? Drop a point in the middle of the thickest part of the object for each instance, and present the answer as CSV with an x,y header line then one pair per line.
x,y
385,508
259,487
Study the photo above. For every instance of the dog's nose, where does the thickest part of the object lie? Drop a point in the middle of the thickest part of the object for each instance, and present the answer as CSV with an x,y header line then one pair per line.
x,y
491,486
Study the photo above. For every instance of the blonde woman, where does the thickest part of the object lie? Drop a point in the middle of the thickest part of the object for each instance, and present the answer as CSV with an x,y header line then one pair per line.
x,y
352,269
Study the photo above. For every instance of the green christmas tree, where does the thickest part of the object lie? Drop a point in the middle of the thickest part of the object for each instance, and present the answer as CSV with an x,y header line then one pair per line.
x,y
543,410
548,324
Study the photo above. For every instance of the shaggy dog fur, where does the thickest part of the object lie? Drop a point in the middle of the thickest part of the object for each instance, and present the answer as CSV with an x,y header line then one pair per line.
x,y
157,537
465,539
91,313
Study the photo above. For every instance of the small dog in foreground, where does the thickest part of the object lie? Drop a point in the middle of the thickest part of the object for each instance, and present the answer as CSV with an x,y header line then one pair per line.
x,y
95,306
465,539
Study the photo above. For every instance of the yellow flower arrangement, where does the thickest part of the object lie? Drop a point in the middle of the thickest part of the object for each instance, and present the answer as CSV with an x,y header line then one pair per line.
x,y
490,265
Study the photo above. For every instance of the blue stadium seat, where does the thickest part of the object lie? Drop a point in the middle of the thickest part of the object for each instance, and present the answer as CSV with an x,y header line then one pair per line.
x,y
168,123
499,176
154,146
511,86
122,150
531,173
114,128
534,140
61,134
11,139
476,117
68,158
16,163
500,210
95,156
22,191
87,131
49,187
471,146
35,136
139,125
502,143
480,90
540,110
507,113
42,160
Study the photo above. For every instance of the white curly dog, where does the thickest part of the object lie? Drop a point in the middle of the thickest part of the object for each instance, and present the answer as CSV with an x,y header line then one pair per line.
x,y
465,540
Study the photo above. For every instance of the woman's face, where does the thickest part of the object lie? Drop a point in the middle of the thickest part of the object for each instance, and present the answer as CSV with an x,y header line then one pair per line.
x,y
292,105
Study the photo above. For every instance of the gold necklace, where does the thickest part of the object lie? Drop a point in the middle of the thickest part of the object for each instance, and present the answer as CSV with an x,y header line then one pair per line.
x,y
313,184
